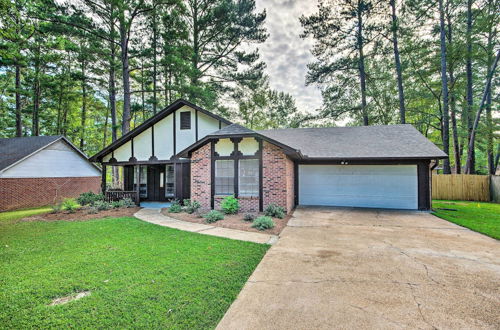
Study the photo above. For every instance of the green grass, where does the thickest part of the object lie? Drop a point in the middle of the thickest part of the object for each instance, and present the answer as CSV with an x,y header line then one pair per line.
x,y
11,216
481,217
140,275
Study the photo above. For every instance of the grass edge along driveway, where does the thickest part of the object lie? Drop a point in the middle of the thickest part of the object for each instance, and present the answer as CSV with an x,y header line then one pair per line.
x,y
481,217
140,275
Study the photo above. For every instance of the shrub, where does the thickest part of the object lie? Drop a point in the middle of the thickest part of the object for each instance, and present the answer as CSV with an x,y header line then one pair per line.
x,y
213,216
263,223
89,198
275,211
102,205
191,206
56,208
70,205
249,217
175,207
116,204
128,202
92,210
230,205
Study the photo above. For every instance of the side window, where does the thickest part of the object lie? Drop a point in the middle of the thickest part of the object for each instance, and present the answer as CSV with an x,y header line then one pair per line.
x,y
186,120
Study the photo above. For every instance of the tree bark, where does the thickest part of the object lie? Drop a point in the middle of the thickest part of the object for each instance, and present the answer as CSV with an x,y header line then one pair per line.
x,y
397,62
361,67
470,95
478,114
19,119
83,118
444,82
489,118
36,95
125,74
154,61
112,84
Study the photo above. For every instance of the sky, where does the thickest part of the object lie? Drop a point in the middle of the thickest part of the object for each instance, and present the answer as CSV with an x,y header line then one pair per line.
x,y
285,53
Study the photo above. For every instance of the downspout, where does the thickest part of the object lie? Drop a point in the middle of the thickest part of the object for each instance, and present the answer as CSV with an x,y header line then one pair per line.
x,y
433,166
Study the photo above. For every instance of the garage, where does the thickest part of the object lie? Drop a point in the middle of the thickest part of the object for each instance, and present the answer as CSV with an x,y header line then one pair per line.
x,y
375,186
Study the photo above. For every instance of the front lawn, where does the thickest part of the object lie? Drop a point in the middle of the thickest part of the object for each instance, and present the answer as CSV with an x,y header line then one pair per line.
x,y
10,216
139,275
481,217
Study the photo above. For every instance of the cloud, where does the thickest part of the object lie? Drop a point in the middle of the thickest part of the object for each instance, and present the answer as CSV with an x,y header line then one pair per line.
x,y
285,53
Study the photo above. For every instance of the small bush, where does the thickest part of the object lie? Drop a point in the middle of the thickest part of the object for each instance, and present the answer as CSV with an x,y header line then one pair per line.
x,y
56,208
92,210
249,217
89,198
70,205
213,216
191,206
175,207
102,205
116,204
263,223
128,202
230,205
275,211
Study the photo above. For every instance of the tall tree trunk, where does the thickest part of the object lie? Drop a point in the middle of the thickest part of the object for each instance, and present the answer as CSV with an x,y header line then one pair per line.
x,y
36,95
83,118
487,88
361,67
397,62
470,95
154,61
125,74
112,68
196,48
489,118
444,82
453,108
19,119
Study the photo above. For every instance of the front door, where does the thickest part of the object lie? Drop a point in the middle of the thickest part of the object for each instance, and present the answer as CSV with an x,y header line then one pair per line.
x,y
156,182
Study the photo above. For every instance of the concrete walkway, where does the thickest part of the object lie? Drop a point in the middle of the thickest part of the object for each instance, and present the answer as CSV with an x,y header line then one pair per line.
x,y
369,269
154,216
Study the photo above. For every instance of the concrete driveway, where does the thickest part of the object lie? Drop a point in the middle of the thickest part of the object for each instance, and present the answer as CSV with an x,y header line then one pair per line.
x,y
353,269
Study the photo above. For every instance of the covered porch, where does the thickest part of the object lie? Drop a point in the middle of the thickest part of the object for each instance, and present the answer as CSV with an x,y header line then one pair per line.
x,y
146,181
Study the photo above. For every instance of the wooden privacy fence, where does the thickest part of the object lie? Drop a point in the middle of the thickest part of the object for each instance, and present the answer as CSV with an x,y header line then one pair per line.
x,y
463,187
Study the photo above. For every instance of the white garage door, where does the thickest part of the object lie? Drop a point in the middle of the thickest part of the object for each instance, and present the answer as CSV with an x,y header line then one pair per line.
x,y
379,186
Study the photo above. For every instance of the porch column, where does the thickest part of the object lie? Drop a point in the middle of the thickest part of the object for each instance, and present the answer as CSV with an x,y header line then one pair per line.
x,y
103,179
138,184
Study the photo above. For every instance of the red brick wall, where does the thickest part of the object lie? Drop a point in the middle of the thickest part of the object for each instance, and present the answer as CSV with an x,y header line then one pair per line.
x,y
201,186
16,193
278,177
247,204
277,181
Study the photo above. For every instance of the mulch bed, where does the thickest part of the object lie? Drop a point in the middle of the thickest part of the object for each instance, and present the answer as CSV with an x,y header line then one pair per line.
x,y
82,215
233,221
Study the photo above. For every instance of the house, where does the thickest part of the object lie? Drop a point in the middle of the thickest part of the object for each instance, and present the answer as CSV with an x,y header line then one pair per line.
x,y
42,170
187,152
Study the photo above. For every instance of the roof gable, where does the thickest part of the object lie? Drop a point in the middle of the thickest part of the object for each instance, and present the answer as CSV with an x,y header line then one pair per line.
x,y
152,121
12,150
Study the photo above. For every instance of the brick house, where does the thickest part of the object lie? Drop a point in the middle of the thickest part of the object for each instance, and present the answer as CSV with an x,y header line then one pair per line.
x,y
187,152
42,170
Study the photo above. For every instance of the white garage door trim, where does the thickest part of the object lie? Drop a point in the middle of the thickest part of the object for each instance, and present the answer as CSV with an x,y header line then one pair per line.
x,y
375,186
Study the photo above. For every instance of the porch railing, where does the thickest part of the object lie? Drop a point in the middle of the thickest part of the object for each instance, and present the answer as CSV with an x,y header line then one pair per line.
x,y
118,195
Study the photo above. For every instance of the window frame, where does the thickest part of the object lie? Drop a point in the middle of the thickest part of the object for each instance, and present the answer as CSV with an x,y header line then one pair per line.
x,y
218,193
253,193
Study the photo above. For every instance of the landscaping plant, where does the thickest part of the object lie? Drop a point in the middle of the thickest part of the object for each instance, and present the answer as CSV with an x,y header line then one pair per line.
x,y
175,207
230,205
56,208
89,198
213,216
191,206
275,211
263,223
70,205
102,205
128,202
249,217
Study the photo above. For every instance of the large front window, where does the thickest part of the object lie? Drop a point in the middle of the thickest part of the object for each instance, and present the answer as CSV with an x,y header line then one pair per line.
x,y
224,177
249,177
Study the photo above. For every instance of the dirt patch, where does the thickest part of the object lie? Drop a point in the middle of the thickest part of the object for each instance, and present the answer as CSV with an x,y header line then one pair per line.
x,y
82,215
233,221
67,299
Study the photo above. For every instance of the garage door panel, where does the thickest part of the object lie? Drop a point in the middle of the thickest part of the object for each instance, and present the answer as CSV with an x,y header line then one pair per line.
x,y
383,186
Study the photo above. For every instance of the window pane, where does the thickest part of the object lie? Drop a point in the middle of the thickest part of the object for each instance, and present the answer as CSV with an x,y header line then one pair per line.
x,y
249,177
170,181
224,177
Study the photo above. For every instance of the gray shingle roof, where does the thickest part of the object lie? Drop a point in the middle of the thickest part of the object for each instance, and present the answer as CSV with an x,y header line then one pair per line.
x,y
390,141
15,149
233,129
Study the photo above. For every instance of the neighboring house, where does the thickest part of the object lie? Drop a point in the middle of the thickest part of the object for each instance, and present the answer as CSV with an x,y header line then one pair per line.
x,y
42,170
368,166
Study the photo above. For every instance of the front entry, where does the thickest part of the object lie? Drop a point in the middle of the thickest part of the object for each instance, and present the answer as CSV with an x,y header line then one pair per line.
x,y
156,183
